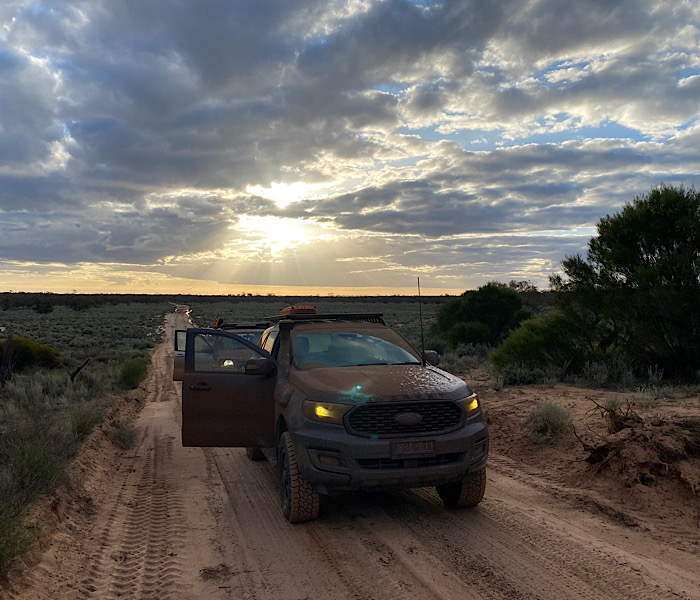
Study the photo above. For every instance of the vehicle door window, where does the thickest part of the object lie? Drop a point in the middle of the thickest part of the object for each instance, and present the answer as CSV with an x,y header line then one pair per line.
x,y
180,340
216,353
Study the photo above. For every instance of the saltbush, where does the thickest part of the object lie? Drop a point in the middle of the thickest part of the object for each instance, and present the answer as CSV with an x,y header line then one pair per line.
x,y
133,372
548,422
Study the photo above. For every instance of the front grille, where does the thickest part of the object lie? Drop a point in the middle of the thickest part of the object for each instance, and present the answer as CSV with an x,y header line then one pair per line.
x,y
389,464
378,420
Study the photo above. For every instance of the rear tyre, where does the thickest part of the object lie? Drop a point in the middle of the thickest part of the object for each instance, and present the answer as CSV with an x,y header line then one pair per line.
x,y
468,492
299,501
254,454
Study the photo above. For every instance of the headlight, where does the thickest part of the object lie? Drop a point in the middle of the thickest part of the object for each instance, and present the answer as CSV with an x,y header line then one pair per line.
x,y
470,404
326,412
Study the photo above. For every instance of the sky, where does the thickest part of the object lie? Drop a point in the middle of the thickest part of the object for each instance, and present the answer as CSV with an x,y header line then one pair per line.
x,y
331,147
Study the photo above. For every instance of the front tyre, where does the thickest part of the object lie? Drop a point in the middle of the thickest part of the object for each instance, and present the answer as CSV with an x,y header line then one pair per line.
x,y
468,492
299,501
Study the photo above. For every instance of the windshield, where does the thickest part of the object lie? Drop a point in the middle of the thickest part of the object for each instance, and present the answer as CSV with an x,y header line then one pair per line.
x,y
249,336
313,350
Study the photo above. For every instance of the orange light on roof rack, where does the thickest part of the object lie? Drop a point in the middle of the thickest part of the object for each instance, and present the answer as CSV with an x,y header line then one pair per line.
x,y
300,309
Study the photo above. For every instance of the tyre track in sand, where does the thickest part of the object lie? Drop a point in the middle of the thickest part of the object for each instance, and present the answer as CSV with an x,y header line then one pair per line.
x,y
141,540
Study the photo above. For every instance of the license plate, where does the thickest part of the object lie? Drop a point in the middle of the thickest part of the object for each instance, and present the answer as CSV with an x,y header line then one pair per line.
x,y
413,449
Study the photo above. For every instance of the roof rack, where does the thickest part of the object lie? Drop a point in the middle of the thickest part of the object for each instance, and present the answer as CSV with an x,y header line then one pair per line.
x,y
251,325
310,318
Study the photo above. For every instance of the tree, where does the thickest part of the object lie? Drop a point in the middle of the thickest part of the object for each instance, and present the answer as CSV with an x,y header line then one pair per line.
x,y
484,316
639,286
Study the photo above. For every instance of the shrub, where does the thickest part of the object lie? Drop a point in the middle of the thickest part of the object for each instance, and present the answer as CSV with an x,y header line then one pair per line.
x,y
497,308
82,419
596,372
133,372
538,344
27,354
527,376
547,422
471,332
43,306
35,463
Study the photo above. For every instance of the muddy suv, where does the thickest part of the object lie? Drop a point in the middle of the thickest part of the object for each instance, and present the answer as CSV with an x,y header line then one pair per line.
x,y
346,401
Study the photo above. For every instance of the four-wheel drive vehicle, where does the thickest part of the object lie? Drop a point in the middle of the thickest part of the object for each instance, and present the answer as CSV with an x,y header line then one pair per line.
x,y
346,401
248,331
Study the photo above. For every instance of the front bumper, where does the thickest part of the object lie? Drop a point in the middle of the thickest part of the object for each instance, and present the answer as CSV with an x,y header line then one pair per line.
x,y
333,460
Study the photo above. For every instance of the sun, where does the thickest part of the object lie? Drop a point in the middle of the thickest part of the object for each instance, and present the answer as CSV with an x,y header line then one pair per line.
x,y
275,233
284,194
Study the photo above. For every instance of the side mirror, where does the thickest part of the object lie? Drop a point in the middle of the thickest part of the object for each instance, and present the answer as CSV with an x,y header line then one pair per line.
x,y
260,366
431,357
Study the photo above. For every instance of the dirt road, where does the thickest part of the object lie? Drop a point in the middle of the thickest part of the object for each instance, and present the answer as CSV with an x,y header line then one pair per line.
x,y
167,522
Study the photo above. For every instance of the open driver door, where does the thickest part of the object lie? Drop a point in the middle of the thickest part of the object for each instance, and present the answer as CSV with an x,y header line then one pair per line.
x,y
227,391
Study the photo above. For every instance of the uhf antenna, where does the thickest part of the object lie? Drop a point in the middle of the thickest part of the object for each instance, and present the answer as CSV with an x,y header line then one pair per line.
x,y
420,316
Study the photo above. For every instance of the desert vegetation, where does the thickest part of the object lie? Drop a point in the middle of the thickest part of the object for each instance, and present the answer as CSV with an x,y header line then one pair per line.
x,y
63,369
625,314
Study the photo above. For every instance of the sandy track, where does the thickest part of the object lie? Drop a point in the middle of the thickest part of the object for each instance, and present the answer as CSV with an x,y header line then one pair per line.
x,y
180,523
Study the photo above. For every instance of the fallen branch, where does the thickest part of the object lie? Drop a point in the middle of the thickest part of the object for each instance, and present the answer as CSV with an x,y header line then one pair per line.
x,y
74,374
617,420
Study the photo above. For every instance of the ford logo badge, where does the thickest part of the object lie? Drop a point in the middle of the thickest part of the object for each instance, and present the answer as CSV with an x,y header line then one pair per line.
x,y
408,418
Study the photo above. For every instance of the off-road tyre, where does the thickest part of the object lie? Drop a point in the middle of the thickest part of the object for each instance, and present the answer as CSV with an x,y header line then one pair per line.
x,y
254,454
468,492
298,500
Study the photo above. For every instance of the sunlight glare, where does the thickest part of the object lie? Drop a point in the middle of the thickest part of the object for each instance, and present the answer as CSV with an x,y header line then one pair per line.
x,y
284,194
275,233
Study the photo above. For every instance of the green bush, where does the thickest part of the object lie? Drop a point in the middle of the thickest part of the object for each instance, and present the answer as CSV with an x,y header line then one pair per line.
x,y
637,288
543,343
26,354
133,372
547,422
496,307
471,332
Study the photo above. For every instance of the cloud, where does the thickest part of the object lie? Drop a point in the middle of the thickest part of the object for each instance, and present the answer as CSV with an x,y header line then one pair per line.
x,y
468,140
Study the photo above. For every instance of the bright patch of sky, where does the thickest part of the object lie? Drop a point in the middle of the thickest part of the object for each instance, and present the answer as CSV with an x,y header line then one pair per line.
x,y
284,194
480,140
